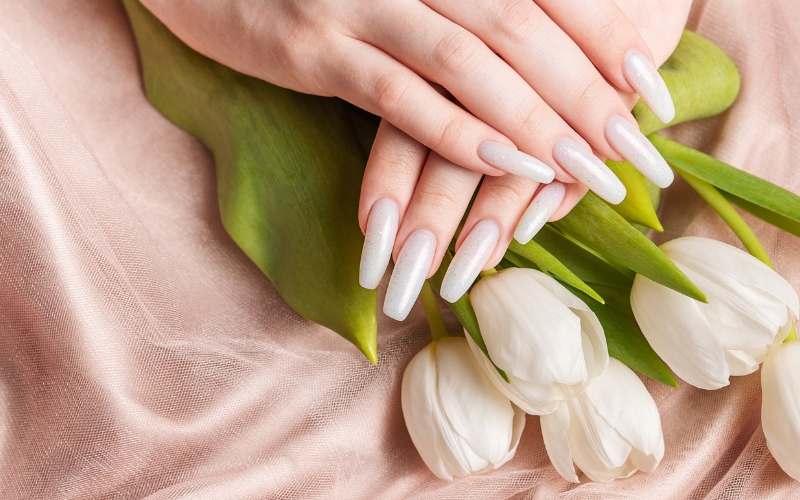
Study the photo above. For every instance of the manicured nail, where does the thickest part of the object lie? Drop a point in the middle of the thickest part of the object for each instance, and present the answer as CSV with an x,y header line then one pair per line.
x,y
644,78
587,168
515,162
409,274
469,260
378,242
634,147
539,211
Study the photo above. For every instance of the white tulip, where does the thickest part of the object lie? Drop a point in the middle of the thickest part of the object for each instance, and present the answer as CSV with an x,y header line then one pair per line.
x,y
611,430
780,406
749,312
458,421
548,342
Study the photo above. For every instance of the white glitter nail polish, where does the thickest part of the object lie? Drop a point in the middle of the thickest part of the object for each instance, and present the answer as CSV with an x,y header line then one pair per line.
x,y
409,274
626,139
587,168
644,78
515,162
539,211
470,259
378,242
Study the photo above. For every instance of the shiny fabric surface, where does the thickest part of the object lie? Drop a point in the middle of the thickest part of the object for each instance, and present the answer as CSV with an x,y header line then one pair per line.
x,y
143,356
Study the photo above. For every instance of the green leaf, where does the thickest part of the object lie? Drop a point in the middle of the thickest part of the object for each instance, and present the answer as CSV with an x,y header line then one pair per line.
x,y
768,216
587,266
549,264
637,207
729,179
462,309
618,299
701,78
627,343
593,223
289,169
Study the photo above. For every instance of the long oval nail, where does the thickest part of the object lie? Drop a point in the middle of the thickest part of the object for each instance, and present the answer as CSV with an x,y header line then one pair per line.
x,y
647,82
515,162
634,147
409,274
378,242
539,211
470,259
587,168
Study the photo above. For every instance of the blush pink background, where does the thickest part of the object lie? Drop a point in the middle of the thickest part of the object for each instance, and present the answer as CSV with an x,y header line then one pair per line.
x,y
143,356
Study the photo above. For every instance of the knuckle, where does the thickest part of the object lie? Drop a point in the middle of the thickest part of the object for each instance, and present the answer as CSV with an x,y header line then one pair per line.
x,y
456,52
609,32
513,192
531,118
438,200
516,19
389,92
592,94
451,134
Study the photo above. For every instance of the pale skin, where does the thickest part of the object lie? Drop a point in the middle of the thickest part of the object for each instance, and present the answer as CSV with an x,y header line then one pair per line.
x,y
446,76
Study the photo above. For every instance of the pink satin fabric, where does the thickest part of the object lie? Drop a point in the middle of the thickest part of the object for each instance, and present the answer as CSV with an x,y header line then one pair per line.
x,y
143,356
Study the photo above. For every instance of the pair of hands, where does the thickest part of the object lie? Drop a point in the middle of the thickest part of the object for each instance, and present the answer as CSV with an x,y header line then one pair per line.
x,y
520,91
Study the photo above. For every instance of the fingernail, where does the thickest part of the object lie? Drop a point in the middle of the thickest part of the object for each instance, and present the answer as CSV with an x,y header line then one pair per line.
x,y
515,162
378,242
469,260
644,78
409,274
587,168
634,147
539,211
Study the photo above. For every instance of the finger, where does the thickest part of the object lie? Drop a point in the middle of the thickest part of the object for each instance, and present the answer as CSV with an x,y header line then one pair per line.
x,y
369,78
487,231
392,171
611,41
439,201
556,68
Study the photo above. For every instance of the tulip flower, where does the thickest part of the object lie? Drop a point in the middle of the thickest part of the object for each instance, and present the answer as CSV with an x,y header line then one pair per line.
x,y
780,406
548,342
749,312
458,421
610,431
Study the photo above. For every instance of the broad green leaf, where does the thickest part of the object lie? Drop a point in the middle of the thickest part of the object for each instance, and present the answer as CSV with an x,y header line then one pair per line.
x,y
637,207
627,343
593,223
618,299
701,78
587,266
549,264
729,179
462,309
768,216
289,168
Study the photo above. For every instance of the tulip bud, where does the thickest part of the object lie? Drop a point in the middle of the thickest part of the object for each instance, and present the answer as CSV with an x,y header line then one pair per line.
x,y
749,312
458,421
549,343
780,406
611,430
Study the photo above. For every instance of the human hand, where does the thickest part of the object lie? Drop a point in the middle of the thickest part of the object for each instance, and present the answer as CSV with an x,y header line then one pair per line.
x,y
433,199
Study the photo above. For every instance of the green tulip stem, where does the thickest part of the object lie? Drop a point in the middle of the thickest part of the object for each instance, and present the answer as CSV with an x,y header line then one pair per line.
x,y
488,272
792,335
435,321
731,217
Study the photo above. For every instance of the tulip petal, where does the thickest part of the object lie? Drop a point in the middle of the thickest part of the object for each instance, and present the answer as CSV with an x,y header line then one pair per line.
x,y
780,406
742,317
418,395
620,398
597,448
704,253
555,427
740,362
680,334
528,331
531,398
476,411
518,426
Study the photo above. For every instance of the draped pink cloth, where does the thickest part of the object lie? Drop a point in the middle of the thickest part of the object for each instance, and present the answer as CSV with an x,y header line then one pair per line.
x,y
142,355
